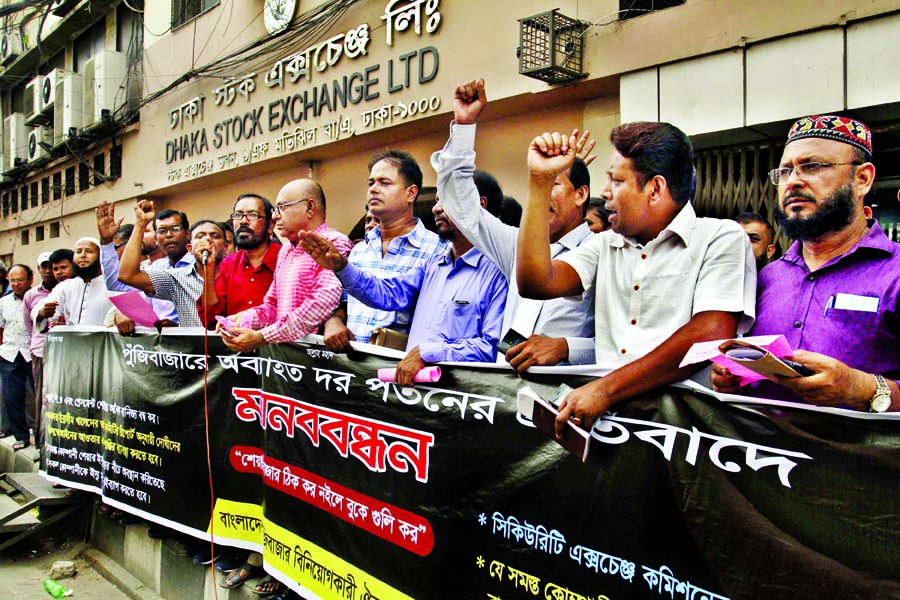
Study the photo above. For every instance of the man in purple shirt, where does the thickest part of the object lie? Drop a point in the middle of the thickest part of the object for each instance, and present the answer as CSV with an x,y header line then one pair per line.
x,y
458,295
835,294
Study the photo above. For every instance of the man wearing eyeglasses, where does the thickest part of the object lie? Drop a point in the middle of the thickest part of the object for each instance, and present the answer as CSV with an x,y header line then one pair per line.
x,y
400,243
303,294
245,276
113,239
834,295
663,277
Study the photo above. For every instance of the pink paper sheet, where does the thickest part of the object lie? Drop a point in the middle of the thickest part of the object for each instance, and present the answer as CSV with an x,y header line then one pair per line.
x,y
135,307
701,351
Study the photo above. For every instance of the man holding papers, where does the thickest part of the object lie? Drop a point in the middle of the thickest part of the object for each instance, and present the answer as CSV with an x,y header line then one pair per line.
x,y
834,294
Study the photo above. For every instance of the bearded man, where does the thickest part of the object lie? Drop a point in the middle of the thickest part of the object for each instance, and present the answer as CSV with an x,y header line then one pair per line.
x,y
83,299
834,294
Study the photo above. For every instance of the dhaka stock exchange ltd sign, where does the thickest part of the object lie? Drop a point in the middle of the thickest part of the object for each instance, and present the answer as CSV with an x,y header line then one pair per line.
x,y
309,112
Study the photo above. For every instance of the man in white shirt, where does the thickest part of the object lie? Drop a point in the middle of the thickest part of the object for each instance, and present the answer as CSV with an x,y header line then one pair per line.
x,y
15,357
83,299
664,278
552,332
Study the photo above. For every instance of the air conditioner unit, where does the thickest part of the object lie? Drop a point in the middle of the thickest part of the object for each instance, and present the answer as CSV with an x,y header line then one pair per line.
x,y
38,136
48,89
68,106
62,7
104,84
17,140
32,99
10,47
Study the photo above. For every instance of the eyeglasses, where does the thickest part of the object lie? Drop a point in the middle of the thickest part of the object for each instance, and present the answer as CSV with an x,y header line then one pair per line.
x,y
252,217
174,230
804,171
279,208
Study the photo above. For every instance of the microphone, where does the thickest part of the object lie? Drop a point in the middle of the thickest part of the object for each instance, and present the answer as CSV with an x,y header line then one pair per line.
x,y
205,256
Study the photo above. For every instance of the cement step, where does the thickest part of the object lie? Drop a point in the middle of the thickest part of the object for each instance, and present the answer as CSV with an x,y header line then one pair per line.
x,y
26,460
25,521
34,487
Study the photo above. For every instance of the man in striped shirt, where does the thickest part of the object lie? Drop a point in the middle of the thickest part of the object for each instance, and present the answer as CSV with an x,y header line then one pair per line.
x,y
183,286
303,294
398,244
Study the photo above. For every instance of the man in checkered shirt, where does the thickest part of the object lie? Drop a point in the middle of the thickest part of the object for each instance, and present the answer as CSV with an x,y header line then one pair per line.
x,y
183,286
398,244
303,294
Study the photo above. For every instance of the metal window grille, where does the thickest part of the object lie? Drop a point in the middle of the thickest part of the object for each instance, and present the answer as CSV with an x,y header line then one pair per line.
x,y
735,179
551,47
629,9
185,10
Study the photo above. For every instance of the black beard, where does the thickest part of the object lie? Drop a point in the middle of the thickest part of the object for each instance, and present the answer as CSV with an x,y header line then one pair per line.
x,y
247,242
834,214
87,273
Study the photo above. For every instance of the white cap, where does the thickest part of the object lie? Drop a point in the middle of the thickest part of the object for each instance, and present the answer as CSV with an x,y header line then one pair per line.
x,y
42,258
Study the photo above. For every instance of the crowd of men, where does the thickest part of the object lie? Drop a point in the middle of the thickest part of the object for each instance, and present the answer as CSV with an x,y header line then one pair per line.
x,y
628,279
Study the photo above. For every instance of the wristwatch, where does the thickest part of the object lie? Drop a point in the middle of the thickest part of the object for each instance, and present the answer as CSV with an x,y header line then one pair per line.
x,y
881,399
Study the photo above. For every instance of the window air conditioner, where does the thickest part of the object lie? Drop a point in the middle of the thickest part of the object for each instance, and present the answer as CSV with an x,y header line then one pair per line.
x,y
68,106
48,89
32,99
36,137
104,84
10,47
17,140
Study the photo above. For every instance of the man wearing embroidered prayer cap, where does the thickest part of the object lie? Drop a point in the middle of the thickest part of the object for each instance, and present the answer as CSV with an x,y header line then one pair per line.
x,y
834,295
81,300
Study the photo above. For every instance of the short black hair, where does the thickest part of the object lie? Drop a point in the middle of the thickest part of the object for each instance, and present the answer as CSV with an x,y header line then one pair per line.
x,y
599,205
579,176
58,256
406,165
267,204
510,211
124,233
658,149
752,217
489,188
165,214
205,222
28,270
225,226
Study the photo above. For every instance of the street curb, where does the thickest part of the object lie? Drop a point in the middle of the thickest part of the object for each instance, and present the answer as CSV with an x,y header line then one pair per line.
x,y
110,570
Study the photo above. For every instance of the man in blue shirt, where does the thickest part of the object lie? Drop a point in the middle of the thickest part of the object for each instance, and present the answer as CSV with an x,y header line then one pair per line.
x,y
459,297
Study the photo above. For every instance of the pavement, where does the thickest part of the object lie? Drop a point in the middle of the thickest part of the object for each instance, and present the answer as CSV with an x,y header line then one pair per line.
x,y
24,566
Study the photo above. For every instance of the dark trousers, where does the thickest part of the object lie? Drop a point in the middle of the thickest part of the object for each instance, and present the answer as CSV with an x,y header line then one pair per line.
x,y
16,377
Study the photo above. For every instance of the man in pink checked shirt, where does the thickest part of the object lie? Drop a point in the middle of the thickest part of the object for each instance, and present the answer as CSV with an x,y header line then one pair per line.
x,y
303,294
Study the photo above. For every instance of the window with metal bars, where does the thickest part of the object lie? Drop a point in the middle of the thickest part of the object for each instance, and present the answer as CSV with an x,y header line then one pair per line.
x,y
185,10
99,168
629,9
57,185
84,177
34,194
70,181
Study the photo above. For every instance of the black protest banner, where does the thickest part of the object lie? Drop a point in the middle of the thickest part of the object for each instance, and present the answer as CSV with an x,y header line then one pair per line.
x,y
444,491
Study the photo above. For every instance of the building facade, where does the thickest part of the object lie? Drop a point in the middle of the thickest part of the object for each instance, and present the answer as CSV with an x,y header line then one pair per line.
x,y
193,102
